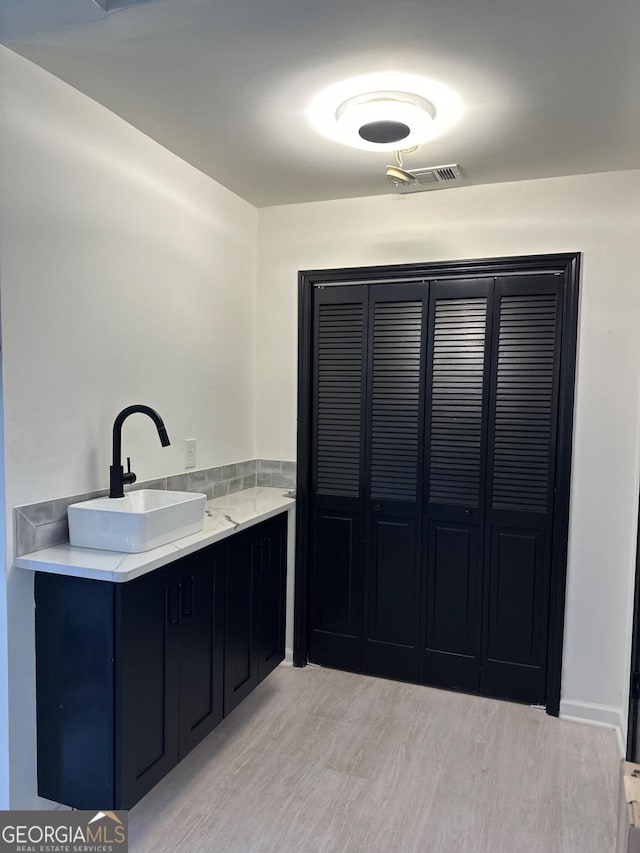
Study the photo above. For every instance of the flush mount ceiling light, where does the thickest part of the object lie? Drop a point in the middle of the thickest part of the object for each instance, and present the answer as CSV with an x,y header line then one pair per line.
x,y
384,112
386,118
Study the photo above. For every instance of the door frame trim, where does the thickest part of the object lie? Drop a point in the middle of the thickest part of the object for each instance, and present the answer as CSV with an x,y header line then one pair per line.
x,y
632,724
568,266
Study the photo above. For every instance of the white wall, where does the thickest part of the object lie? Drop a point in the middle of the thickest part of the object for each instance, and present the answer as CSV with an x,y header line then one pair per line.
x,y
127,276
4,674
598,215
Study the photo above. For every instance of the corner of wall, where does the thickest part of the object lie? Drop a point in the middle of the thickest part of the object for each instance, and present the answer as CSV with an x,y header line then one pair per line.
x,y
603,716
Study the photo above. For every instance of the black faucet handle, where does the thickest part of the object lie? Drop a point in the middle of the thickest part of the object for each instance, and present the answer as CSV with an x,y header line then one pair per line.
x,y
129,477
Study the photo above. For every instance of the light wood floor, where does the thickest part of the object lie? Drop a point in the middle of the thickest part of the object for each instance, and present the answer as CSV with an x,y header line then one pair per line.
x,y
320,760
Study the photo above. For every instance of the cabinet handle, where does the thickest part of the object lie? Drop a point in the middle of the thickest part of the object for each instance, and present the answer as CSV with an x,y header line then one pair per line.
x,y
187,607
174,603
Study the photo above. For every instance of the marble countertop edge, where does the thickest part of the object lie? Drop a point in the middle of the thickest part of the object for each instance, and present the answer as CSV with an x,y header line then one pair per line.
x,y
224,517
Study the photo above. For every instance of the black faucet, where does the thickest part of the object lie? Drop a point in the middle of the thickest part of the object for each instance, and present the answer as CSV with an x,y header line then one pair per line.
x,y
117,476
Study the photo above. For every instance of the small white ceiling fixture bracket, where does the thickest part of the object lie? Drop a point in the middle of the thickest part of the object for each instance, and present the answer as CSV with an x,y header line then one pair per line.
x,y
398,175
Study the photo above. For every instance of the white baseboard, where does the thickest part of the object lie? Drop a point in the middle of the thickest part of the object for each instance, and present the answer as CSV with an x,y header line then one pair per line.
x,y
592,714
589,712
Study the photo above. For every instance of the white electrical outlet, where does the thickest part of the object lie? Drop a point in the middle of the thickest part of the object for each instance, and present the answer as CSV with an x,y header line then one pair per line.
x,y
190,453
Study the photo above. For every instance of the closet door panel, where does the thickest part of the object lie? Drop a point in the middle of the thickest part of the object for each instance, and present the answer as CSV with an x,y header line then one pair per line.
x,y
457,398
336,580
395,407
392,582
451,623
337,495
391,647
520,486
337,544
516,576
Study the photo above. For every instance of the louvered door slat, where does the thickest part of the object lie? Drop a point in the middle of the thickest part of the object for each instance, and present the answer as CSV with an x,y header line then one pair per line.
x,y
339,377
395,401
459,330
523,425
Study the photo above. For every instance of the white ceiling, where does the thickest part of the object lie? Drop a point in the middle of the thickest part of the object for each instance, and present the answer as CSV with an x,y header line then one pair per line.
x,y
550,87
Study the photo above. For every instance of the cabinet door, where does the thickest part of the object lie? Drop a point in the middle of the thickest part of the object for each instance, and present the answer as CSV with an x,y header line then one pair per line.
x,y
147,682
201,645
271,593
74,684
241,620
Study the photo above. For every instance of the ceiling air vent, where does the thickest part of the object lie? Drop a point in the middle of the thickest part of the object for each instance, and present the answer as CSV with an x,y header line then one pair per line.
x,y
433,178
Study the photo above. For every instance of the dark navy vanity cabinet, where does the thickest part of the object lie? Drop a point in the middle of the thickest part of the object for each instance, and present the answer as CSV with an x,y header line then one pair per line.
x,y
131,676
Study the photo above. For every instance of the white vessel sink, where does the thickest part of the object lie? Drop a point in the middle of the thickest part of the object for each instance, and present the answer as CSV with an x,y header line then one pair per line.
x,y
137,522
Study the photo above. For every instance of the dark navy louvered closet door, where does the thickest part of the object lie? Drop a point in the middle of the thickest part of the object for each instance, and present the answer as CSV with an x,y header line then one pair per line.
x,y
434,422
394,448
337,490
460,331
523,411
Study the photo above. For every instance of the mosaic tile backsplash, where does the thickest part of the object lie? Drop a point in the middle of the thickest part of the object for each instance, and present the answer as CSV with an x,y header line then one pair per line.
x,y
44,524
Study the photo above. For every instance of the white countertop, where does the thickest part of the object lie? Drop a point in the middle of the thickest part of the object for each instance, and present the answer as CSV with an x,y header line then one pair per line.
x,y
223,517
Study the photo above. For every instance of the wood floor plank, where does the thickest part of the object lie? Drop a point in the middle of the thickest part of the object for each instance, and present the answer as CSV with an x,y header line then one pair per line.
x,y
321,761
